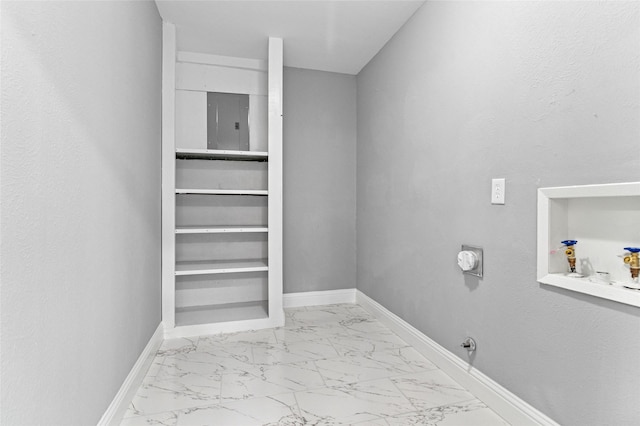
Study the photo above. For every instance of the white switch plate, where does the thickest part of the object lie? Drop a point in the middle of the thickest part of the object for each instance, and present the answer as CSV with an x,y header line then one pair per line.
x,y
498,187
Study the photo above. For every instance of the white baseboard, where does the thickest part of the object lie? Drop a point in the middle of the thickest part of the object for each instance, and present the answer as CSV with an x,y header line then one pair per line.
x,y
503,402
317,298
125,394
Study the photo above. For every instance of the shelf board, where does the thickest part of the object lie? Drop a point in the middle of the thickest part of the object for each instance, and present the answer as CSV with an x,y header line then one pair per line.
x,y
616,291
220,229
222,191
217,154
220,266
212,314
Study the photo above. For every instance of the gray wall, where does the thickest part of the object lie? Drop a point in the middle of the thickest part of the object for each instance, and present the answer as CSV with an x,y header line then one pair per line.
x,y
543,94
319,180
80,204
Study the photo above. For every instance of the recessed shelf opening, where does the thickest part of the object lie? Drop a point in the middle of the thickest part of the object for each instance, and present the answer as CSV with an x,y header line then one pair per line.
x,y
227,210
604,220
221,289
221,313
221,174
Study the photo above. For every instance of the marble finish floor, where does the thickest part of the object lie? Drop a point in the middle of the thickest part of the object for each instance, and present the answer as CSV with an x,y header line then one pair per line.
x,y
329,365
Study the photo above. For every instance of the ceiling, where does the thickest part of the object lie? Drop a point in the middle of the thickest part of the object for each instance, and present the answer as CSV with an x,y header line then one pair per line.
x,y
338,36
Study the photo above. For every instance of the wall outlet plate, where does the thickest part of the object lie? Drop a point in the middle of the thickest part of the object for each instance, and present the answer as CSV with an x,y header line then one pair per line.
x,y
477,271
498,188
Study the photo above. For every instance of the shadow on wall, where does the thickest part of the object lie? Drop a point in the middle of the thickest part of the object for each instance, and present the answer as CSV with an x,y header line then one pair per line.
x,y
595,301
471,282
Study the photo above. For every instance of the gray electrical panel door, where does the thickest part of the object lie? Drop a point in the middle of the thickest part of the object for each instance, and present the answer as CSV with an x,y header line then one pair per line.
x,y
228,121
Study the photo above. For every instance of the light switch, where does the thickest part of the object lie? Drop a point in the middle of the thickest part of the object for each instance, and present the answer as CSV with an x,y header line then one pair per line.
x,y
498,187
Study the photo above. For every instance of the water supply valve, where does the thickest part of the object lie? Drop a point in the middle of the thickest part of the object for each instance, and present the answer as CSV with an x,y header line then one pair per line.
x,y
632,258
570,252
469,344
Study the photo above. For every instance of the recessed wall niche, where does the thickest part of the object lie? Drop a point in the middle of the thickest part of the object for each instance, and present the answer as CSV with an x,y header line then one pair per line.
x,y
604,219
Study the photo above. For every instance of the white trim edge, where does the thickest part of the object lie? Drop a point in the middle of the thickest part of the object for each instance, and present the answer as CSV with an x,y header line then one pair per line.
x,y
223,61
316,298
503,402
120,403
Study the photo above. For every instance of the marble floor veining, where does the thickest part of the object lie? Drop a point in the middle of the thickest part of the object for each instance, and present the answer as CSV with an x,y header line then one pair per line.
x,y
329,365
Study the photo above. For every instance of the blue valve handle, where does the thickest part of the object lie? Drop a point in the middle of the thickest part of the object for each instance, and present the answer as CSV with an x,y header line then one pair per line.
x,y
632,249
570,242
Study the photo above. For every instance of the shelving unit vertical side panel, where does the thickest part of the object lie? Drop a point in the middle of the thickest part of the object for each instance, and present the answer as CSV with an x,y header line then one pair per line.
x,y
275,83
168,173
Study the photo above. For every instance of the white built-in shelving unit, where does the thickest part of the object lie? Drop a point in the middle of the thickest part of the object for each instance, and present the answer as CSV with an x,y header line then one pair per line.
x,y
222,209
